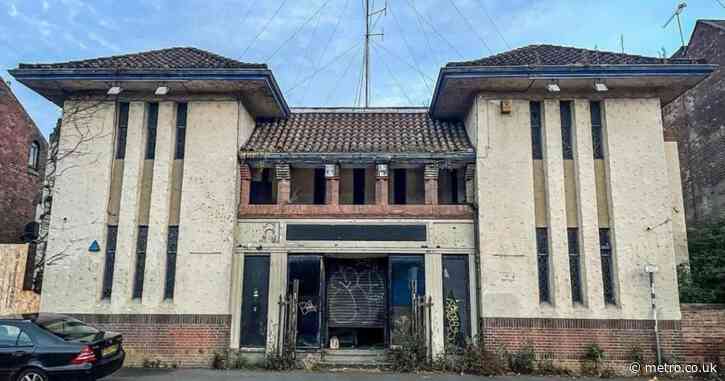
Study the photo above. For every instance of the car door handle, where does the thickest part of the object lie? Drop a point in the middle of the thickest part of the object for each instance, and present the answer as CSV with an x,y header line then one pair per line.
x,y
19,353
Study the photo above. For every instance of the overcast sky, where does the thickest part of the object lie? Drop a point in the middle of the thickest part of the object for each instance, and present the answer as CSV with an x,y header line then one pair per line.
x,y
314,47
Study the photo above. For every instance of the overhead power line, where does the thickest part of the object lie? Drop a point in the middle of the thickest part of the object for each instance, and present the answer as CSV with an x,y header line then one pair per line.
x,y
335,85
495,27
434,29
264,28
470,26
323,67
403,61
409,48
296,32
395,80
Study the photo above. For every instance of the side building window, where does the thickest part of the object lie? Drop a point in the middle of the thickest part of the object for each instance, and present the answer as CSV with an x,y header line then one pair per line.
x,y
597,133
181,112
566,135
34,155
542,250
456,303
171,250
574,265
536,135
141,243
151,124
122,130
111,236
605,250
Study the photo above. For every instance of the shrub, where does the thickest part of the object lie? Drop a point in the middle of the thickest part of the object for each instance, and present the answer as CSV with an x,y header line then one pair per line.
x,y
478,360
410,356
593,358
523,361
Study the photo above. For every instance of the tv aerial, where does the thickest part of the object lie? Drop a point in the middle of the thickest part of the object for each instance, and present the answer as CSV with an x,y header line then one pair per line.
x,y
676,15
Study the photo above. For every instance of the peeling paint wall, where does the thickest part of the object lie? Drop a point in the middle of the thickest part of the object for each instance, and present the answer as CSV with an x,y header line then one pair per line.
x,y
13,299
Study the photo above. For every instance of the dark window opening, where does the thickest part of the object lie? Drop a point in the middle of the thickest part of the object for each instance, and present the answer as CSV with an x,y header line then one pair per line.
x,y
261,189
34,155
151,127
605,250
320,186
536,137
141,243
111,236
566,130
597,130
359,338
171,249
181,111
456,303
451,185
400,186
31,280
255,293
122,130
574,265
358,186
542,249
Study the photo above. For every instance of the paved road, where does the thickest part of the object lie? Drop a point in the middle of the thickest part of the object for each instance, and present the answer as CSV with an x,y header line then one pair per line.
x,y
220,375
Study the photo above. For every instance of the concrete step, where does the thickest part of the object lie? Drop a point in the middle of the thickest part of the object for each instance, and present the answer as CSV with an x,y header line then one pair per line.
x,y
358,358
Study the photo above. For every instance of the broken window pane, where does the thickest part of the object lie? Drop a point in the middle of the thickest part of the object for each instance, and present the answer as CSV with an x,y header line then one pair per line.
x,y
306,269
406,274
456,303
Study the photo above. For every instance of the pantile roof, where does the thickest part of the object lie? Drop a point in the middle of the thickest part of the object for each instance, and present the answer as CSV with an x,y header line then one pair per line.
x,y
171,58
359,131
561,55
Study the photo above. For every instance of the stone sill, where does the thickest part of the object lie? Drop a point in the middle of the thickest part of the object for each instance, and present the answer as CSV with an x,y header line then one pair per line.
x,y
462,211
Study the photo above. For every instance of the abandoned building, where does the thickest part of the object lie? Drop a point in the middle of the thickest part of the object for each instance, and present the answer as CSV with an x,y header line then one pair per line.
x,y
695,121
531,202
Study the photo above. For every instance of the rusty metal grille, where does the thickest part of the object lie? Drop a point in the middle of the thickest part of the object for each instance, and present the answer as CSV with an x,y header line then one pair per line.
x,y
605,249
542,249
141,242
597,132
171,248
574,265
111,235
536,137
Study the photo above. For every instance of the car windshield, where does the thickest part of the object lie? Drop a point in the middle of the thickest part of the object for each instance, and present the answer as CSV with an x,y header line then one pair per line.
x,y
68,328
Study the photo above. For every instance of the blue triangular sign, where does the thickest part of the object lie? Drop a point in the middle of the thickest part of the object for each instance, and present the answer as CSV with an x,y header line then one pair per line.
x,y
94,247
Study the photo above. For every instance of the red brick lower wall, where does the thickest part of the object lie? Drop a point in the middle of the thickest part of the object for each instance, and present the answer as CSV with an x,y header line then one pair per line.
x,y
170,340
566,340
703,332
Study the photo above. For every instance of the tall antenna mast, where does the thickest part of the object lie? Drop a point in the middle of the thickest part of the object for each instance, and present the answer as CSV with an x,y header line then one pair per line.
x,y
366,54
680,8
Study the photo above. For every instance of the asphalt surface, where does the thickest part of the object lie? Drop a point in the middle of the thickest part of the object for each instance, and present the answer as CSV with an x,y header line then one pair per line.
x,y
223,375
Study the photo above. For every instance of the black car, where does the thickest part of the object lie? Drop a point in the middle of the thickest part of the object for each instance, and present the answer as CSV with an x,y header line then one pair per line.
x,y
42,347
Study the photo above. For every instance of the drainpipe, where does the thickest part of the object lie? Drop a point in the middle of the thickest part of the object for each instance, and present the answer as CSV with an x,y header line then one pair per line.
x,y
651,270
477,261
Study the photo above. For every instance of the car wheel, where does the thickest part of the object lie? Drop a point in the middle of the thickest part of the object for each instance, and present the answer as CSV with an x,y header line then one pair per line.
x,y
32,375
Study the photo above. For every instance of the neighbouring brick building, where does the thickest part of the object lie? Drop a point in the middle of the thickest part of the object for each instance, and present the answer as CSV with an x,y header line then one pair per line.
x,y
530,197
696,120
22,167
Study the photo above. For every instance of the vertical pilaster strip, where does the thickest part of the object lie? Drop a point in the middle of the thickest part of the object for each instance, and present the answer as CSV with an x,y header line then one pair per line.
x,y
128,213
245,178
160,205
434,290
587,208
381,184
277,290
282,174
430,176
471,183
332,184
556,202
236,299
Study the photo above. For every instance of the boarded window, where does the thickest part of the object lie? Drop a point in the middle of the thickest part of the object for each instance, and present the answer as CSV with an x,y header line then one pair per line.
x,y
574,265
597,130
536,136
122,132
181,111
151,127
566,130
141,243
261,189
407,280
255,292
307,270
171,249
605,250
542,249
111,235
456,303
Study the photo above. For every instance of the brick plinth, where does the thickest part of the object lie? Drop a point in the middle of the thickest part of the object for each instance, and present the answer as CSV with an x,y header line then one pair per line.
x,y
181,340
